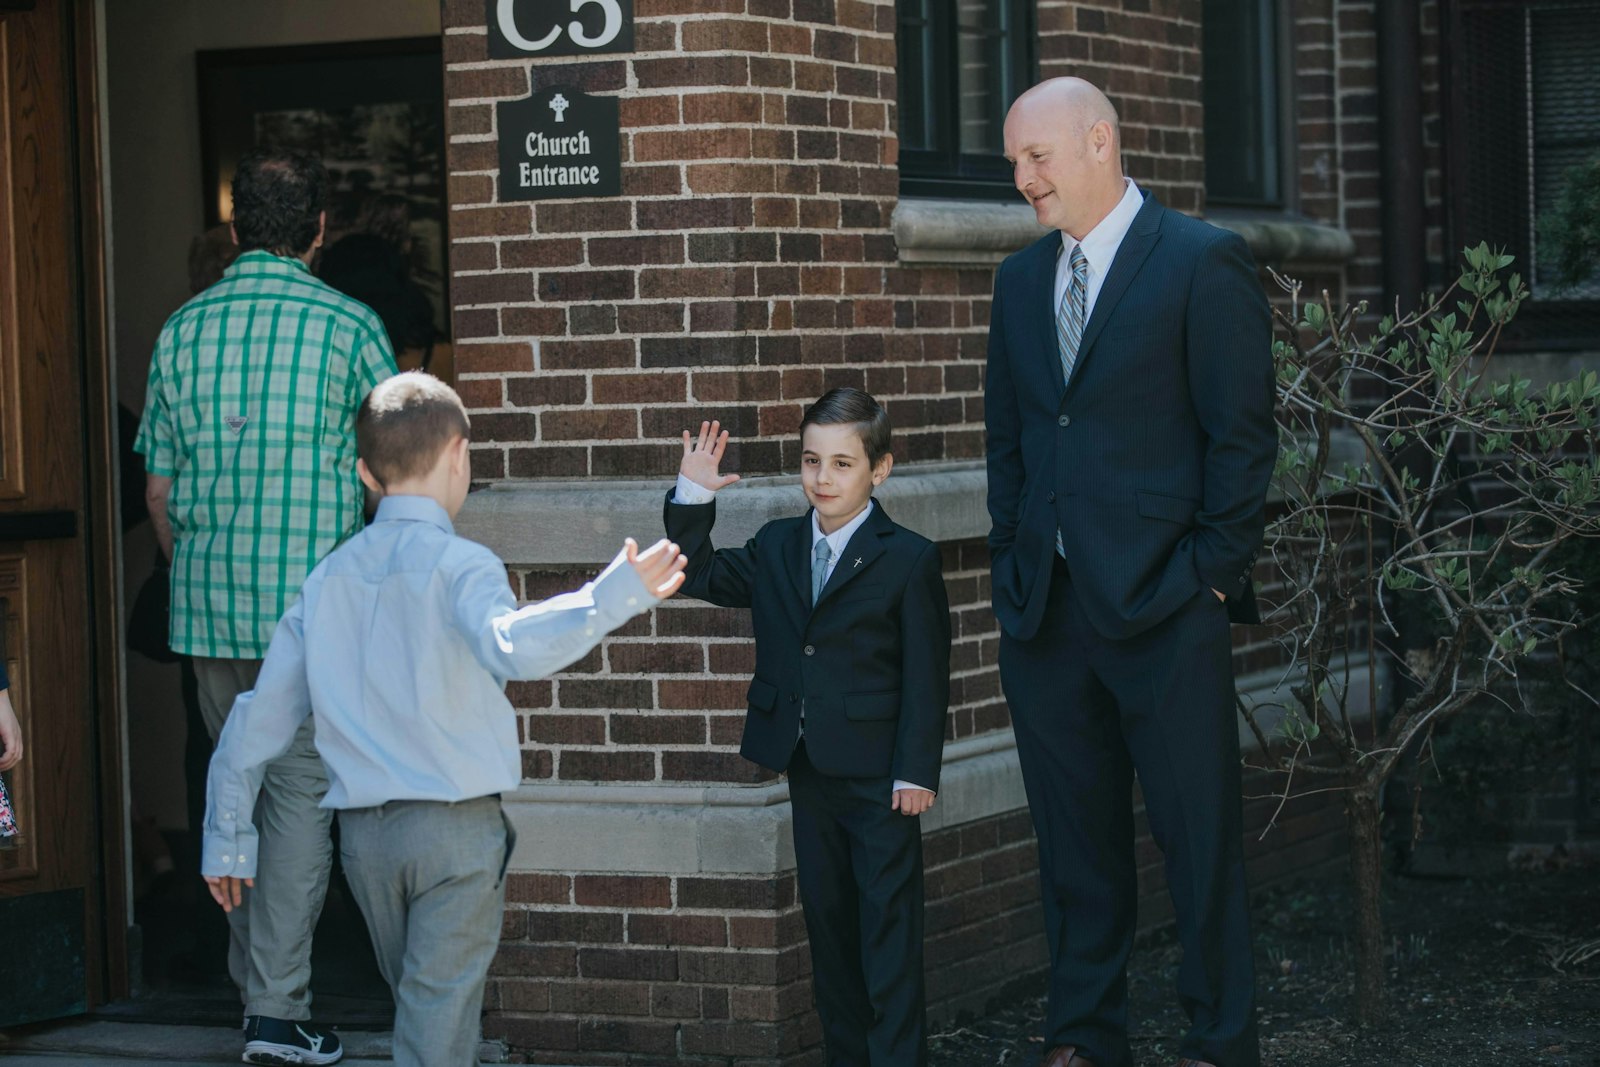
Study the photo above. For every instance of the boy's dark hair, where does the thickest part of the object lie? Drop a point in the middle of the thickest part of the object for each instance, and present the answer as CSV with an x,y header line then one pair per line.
x,y
405,422
847,405
277,196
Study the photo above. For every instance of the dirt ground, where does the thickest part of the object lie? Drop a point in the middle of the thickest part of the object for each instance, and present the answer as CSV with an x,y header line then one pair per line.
x,y
1504,969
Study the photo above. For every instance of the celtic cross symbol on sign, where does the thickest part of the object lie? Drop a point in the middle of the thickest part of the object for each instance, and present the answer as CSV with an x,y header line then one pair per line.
x,y
558,104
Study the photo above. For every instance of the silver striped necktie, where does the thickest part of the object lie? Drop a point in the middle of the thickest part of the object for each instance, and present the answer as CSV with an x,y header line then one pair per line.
x,y
1070,317
1069,330
819,568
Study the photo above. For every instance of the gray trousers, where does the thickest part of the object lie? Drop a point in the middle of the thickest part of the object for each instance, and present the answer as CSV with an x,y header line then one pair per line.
x,y
269,950
430,879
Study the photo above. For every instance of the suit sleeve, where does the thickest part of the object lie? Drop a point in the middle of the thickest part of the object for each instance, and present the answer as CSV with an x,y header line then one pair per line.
x,y
924,673
718,576
1232,388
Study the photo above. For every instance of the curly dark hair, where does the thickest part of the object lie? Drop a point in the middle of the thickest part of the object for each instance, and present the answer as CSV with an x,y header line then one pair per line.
x,y
277,198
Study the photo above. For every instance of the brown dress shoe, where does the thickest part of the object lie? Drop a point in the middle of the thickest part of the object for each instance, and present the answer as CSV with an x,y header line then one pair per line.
x,y
1066,1056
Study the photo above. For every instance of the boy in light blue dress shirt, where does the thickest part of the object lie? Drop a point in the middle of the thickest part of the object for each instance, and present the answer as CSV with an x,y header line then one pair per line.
x,y
400,646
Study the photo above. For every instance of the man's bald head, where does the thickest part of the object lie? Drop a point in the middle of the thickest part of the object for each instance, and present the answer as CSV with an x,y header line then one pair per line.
x,y
1077,104
1065,151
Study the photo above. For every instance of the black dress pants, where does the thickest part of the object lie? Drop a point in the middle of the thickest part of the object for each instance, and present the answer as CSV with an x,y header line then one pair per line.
x,y
1088,713
859,869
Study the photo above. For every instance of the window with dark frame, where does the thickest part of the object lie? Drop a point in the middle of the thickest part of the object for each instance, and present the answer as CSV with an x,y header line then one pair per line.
x,y
962,63
1240,91
1524,110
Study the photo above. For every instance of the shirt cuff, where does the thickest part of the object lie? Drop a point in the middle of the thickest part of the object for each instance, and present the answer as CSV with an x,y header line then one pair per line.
x,y
692,492
619,593
899,785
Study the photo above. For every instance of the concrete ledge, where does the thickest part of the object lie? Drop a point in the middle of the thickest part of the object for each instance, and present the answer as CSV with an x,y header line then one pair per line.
x,y
656,829
583,523
963,232
1277,240
984,232
745,830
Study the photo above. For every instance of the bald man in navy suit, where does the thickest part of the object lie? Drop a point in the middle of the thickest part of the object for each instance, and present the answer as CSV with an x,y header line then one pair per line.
x,y
1129,404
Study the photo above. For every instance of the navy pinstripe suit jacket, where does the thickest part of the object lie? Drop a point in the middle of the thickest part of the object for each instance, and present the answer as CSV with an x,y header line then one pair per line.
x,y
1154,460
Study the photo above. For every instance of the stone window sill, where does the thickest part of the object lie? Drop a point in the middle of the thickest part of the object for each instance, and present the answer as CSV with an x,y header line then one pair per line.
x,y
969,232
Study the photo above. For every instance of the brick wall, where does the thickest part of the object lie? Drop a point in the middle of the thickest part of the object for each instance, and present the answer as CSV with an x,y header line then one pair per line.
x,y
646,970
1337,129
748,266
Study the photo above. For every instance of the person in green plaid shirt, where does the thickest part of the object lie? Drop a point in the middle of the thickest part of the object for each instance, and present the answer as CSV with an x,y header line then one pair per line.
x,y
249,442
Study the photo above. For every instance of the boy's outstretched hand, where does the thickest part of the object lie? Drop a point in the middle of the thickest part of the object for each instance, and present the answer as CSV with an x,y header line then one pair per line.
x,y
702,456
225,890
911,801
660,566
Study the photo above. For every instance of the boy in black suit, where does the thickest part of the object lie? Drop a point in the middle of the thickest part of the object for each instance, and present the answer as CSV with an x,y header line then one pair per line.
x,y
851,685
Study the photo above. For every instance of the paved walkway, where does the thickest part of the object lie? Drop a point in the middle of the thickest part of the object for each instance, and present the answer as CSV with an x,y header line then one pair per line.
x,y
120,1044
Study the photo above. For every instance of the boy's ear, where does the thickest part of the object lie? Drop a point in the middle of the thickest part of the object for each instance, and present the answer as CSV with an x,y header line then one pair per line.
x,y
366,477
460,460
881,471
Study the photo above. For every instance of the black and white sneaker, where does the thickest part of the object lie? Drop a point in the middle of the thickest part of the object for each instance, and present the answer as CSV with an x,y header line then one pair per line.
x,y
282,1041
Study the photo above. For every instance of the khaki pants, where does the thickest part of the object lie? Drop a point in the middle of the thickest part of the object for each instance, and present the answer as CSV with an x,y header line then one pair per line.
x,y
269,951
430,880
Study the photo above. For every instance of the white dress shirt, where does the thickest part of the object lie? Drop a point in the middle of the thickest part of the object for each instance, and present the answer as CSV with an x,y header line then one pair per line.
x,y
400,645
692,492
1099,248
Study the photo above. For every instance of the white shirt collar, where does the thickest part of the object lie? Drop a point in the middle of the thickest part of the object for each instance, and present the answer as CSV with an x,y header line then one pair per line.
x,y
840,537
1101,243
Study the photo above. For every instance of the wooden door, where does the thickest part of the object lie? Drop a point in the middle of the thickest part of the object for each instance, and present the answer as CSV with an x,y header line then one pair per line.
x,y
48,896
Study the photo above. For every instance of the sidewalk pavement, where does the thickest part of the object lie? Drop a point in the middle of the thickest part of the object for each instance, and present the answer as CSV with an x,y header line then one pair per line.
x,y
119,1044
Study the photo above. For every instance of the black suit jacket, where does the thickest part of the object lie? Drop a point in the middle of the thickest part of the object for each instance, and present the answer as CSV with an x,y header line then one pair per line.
x,y
1154,460
871,661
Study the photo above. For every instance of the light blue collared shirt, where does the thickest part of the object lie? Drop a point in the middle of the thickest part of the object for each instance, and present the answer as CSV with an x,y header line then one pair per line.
x,y
400,645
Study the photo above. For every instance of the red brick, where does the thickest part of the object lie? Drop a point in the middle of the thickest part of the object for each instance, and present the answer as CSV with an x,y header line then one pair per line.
x,y
704,694
589,424
698,930
535,694
652,388
676,657
600,998
525,961
712,767
583,766
546,389
567,730
589,926
645,729
622,891
653,964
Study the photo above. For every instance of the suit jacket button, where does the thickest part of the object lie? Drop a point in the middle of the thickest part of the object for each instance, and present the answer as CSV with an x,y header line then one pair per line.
x,y
811,650
794,698
1050,497
1064,421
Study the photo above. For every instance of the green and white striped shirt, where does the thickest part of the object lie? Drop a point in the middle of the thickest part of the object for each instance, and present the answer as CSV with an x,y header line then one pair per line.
x,y
251,411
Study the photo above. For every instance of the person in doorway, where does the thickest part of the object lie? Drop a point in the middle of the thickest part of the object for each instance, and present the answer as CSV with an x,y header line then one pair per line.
x,y
399,649
1129,407
248,436
852,681
10,754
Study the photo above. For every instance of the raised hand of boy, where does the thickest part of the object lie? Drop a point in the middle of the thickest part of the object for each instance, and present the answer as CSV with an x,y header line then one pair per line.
x,y
660,566
702,457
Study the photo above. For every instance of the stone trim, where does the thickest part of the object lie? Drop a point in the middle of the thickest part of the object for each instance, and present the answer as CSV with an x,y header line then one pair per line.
x,y
536,523
583,523
967,232
655,829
